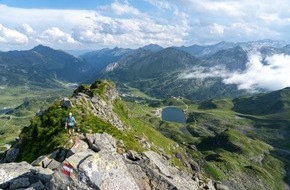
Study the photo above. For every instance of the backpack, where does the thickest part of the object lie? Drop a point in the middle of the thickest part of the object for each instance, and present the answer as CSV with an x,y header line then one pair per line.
x,y
70,121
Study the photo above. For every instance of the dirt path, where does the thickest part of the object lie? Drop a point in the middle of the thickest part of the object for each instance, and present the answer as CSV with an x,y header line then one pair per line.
x,y
14,117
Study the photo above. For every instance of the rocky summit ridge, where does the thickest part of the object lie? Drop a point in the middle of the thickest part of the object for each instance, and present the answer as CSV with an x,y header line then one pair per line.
x,y
92,159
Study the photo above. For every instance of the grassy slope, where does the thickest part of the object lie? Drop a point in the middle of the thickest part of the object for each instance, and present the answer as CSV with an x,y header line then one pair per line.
x,y
25,101
240,150
228,143
47,133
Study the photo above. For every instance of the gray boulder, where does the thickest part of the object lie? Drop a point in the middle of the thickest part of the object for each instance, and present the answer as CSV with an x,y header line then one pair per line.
x,y
23,175
162,175
66,103
21,182
46,162
102,142
12,154
108,170
79,145
105,169
158,162
97,165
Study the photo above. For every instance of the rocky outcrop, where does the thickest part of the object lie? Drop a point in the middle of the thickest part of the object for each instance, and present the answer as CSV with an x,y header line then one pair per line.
x,y
11,154
100,105
46,162
101,167
66,103
92,162
158,174
104,169
23,176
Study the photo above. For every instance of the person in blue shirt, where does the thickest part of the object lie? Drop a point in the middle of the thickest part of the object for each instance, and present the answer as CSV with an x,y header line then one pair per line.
x,y
70,124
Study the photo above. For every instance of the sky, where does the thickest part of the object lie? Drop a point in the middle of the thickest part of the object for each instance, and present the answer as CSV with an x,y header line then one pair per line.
x,y
97,24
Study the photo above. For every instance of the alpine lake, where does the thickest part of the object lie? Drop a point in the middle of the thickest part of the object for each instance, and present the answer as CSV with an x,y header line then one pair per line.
x,y
173,114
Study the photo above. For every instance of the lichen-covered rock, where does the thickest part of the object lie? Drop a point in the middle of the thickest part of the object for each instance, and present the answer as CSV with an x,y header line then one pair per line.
x,y
102,142
79,145
100,105
158,162
221,187
140,177
164,176
22,175
132,155
108,170
105,169
46,162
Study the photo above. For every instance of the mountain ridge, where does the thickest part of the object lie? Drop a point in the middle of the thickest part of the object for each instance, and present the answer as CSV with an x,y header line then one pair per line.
x,y
45,66
42,66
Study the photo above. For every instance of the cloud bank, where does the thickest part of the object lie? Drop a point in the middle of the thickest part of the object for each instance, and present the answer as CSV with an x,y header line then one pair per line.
x,y
13,37
205,72
116,24
273,74
137,23
269,73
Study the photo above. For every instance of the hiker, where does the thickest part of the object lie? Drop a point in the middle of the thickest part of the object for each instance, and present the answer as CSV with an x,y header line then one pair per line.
x,y
70,124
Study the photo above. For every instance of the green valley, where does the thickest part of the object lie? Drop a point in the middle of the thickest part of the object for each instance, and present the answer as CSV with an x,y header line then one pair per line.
x,y
23,104
242,150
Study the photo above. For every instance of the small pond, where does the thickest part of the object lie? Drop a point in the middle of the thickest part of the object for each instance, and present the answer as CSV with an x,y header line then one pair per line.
x,y
173,114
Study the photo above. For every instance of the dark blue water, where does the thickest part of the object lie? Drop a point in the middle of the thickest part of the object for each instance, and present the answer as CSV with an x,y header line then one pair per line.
x,y
173,114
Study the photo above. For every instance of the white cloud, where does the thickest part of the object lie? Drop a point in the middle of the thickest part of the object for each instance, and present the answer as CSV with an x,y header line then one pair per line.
x,y
117,24
231,8
121,9
26,29
11,36
270,73
273,75
217,29
161,4
205,72
104,30
167,22
129,32
55,35
243,20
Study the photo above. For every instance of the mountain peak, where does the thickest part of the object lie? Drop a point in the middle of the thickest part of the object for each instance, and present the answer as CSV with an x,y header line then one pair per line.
x,y
41,47
152,47
48,51
45,50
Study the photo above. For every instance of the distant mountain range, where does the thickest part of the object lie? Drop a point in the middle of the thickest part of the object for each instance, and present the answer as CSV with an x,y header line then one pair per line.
x,y
196,72
42,66
164,72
